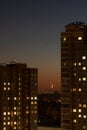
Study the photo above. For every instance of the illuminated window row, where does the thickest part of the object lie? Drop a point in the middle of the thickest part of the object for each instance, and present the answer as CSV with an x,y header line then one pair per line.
x,y
33,98
6,83
82,79
78,38
75,110
33,103
6,88
8,113
74,89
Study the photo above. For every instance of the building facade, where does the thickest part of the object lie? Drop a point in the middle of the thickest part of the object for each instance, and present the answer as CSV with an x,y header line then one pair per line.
x,y
18,97
74,77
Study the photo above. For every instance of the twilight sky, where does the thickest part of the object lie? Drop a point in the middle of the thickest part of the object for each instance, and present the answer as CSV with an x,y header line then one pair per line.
x,y
30,33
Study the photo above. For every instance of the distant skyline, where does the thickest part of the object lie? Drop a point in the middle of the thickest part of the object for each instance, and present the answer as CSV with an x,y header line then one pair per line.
x,y
30,33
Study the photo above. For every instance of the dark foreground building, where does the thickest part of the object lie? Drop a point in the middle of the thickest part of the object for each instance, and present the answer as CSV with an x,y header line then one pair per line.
x,y
49,106
18,97
74,76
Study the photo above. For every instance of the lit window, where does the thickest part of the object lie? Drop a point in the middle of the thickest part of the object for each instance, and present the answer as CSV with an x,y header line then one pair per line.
x,y
84,105
27,112
8,98
84,127
4,128
15,98
35,102
35,121
79,79
19,88
83,68
84,78
84,116
74,110
8,113
4,113
14,128
4,118
4,83
74,120
8,118
35,98
8,123
15,113
31,102
79,89
19,84
79,110
35,112
80,105
8,83
74,89
15,123
79,38
5,88
64,39
31,98
4,123
8,88
74,74
79,63
83,57
80,116
15,108
75,64
27,98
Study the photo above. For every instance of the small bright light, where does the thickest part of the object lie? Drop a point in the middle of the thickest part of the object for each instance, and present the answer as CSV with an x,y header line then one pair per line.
x,y
79,63
74,110
79,110
64,38
84,78
79,89
84,68
74,120
79,38
80,116
83,57
84,116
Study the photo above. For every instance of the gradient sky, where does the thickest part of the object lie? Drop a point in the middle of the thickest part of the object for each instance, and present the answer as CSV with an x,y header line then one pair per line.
x,y
30,33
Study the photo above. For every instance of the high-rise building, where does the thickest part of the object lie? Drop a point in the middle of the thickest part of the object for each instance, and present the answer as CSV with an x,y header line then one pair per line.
x,y
18,97
74,76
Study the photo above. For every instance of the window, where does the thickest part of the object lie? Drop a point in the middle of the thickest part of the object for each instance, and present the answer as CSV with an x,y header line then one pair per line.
x,y
80,105
84,68
80,90
64,39
83,57
84,105
80,116
74,110
84,116
84,78
79,110
79,63
8,123
5,88
79,79
79,38
4,113
4,83
8,83
74,120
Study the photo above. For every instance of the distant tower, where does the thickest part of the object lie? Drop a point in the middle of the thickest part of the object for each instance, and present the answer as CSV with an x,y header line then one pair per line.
x,y
74,77
18,97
